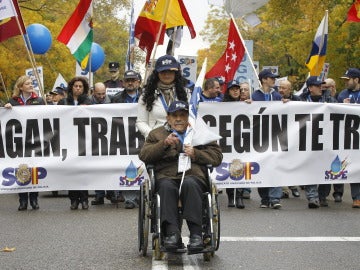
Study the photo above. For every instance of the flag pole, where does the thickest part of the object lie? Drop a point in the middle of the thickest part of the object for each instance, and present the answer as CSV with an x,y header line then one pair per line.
x,y
167,4
3,85
29,52
246,50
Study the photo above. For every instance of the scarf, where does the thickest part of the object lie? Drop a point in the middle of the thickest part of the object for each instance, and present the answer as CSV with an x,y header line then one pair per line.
x,y
168,92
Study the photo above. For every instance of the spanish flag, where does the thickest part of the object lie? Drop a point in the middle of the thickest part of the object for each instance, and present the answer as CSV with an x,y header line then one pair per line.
x,y
354,12
316,59
149,21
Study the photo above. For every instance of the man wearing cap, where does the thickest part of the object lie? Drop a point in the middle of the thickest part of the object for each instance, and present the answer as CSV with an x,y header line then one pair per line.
x,y
114,81
352,95
130,94
270,196
212,91
57,94
163,148
315,195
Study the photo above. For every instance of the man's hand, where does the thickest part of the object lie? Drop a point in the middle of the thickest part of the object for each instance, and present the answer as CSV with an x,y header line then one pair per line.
x,y
172,139
189,151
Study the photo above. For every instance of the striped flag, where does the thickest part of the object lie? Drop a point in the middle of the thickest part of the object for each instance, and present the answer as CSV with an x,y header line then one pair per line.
x,y
9,9
198,133
316,59
77,34
149,21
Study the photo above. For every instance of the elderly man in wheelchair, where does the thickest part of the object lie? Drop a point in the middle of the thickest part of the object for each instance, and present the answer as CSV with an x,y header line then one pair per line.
x,y
164,149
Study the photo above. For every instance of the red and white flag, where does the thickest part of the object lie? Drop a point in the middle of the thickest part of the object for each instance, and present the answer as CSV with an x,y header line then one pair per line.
x,y
227,65
9,10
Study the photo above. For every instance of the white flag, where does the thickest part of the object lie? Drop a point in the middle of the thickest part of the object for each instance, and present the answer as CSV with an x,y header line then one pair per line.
x,y
60,81
7,9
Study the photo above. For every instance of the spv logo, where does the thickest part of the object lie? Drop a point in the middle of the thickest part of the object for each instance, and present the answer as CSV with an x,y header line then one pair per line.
x,y
23,175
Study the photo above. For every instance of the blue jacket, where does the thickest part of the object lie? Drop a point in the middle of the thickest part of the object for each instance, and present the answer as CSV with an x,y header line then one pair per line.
x,y
259,95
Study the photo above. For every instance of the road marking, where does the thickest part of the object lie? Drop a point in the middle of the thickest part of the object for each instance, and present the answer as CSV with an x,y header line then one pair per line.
x,y
291,239
189,262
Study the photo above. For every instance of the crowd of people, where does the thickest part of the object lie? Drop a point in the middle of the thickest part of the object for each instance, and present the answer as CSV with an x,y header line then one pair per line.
x,y
165,87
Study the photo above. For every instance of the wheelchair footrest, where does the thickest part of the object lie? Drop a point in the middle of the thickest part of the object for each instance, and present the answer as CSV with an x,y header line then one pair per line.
x,y
205,250
178,250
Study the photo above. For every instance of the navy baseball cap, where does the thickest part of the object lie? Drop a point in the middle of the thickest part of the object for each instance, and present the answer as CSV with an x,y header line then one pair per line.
x,y
314,80
351,73
266,73
177,106
58,91
233,83
166,62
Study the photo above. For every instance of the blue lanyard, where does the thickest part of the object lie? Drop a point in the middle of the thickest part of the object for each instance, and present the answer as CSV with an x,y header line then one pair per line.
x,y
181,136
267,96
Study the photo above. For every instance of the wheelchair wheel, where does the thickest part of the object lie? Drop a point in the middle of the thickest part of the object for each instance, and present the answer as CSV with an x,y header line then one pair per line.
x,y
216,217
143,219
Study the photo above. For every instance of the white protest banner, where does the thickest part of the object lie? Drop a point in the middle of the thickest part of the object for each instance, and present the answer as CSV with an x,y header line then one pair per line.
x,y
44,148
268,144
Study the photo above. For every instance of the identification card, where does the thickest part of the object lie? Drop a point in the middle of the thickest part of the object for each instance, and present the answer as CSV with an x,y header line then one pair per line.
x,y
184,163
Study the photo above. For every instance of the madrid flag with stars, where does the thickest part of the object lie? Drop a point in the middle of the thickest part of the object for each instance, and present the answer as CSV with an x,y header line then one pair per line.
x,y
227,65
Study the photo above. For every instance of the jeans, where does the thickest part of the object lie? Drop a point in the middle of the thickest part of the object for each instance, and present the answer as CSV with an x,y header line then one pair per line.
x,y
270,194
131,195
311,192
23,197
355,191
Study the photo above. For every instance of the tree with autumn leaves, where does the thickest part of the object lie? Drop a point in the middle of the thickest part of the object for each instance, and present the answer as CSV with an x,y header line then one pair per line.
x,y
284,37
110,31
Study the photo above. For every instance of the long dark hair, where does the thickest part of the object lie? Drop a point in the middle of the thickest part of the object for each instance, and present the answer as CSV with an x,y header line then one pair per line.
x,y
151,86
228,98
84,96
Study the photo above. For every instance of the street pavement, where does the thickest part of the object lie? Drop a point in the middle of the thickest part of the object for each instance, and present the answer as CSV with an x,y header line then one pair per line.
x,y
105,237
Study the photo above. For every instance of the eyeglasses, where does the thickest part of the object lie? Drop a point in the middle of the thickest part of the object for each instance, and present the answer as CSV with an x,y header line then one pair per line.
x,y
244,89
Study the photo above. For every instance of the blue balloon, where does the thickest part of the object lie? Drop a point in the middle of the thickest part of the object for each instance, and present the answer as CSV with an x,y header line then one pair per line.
x,y
40,38
97,57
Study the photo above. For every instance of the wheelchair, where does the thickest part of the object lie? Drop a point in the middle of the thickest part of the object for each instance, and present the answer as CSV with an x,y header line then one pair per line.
x,y
149,219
